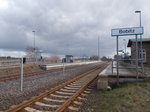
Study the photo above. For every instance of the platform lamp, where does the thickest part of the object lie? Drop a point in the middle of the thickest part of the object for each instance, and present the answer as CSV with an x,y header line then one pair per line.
x,y
141,49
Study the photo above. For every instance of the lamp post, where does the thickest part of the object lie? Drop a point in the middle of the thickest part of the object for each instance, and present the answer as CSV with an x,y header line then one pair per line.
x,y
139,16
34,43
141,49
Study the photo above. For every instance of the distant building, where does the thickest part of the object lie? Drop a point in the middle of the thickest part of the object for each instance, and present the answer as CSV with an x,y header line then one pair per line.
x,y
68,59
146,49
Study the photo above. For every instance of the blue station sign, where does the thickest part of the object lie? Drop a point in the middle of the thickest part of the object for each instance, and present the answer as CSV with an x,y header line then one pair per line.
x,y
127,31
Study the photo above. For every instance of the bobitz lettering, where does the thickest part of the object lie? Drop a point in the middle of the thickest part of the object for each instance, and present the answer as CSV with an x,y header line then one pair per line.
x,y
126,31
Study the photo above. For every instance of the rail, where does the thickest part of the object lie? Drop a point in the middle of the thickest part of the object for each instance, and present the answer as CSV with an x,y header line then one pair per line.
x,y
82,81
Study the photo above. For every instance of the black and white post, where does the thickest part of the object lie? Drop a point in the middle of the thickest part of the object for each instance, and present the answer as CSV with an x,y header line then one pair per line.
x,y
21,79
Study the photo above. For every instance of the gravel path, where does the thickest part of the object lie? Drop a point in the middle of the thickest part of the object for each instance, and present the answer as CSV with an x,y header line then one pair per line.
x,y
10,93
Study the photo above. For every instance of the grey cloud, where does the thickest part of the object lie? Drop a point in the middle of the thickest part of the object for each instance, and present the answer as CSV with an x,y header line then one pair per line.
x,y
68,26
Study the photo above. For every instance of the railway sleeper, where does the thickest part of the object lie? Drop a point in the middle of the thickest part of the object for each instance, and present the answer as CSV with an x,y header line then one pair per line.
x,y
77,83
57,98
71,88
60,96
87,92
84,95
77,102
54,100
82,99
67,90
30,109
64,93
72,108
46,105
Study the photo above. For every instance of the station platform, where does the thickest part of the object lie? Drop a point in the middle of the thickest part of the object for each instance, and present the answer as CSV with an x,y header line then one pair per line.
x,y
107,76
60,65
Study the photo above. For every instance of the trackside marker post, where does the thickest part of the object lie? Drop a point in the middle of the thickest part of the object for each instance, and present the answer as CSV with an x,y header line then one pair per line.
x,y
63,67
21,85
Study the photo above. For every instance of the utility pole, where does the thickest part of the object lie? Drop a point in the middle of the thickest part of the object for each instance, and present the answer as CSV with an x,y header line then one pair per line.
x,y
34,46
98,50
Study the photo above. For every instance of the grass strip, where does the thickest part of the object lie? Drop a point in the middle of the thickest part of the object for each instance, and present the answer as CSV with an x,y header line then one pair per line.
x,y
127,97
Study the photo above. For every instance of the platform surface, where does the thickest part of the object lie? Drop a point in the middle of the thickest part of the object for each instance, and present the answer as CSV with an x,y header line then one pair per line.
x,y
125,75
122,72
60,65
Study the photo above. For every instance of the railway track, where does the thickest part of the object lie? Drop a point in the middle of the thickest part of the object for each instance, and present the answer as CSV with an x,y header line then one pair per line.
x,y
17,76
64,97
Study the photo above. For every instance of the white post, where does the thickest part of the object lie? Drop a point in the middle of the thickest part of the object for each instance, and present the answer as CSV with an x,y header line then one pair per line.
x,y
21,74
63,67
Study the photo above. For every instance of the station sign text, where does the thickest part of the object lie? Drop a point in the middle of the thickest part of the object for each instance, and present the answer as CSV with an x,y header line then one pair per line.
x,y
127,31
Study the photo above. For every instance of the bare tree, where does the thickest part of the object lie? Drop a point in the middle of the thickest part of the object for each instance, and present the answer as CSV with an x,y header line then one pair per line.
x,y
104,58
94,58
55,59
32,52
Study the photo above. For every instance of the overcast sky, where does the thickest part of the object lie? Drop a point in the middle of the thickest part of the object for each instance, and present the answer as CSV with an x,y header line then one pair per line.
x,y
68,26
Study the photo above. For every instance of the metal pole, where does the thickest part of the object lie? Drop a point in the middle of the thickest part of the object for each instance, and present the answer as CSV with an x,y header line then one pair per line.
x,y
142,55
117,63
136,58
34,46
63,67
141,46
140,19
124,46
21,74
98,49
141,49
112,67
34,40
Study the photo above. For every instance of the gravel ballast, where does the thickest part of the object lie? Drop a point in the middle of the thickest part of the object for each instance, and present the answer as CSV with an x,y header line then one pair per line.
x,y
10,93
